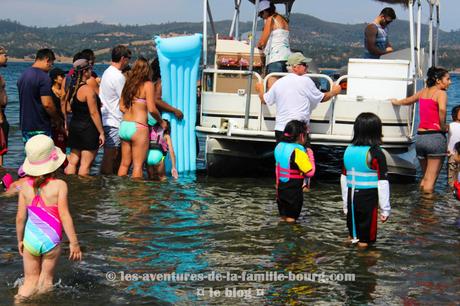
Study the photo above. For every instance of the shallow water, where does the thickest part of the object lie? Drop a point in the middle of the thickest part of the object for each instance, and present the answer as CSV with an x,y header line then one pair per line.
x,y
206,225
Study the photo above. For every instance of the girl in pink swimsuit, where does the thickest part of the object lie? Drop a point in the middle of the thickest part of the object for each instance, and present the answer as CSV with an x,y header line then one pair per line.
x,y
42,214
431,142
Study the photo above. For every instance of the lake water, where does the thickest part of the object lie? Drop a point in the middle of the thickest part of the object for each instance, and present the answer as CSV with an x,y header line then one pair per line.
x,y
208,227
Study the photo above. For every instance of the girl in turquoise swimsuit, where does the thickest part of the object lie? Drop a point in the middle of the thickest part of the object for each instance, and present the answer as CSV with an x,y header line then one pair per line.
x,y
137,101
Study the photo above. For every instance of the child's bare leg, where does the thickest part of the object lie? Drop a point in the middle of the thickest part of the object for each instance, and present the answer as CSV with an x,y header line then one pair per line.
x,y
150,172
290,220
363,244
32,267
161,170
49,262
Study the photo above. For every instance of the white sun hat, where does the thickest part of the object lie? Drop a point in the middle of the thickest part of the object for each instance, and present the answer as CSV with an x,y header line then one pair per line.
x,y
42,156
263,5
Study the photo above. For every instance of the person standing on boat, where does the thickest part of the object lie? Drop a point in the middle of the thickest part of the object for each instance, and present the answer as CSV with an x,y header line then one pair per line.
x,y
4,125
274,40
295,94
376,35
431,142
110,89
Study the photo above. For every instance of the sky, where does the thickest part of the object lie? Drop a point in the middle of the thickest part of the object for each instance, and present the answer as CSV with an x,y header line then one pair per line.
x,y
67,12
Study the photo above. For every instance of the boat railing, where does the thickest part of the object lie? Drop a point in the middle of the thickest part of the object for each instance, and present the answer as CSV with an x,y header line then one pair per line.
x,y
410,114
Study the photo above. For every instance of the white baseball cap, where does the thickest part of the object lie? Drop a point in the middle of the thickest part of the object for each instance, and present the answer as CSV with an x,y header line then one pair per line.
x,y
263,5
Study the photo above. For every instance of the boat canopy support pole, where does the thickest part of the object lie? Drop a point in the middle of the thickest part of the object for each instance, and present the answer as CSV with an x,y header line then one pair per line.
x,y
413,66
412,38
419,38
234,29
251,67
205,33
430,35
436,43
211,21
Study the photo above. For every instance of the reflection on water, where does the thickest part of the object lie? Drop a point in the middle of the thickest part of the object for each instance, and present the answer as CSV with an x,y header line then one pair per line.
x,y
205,225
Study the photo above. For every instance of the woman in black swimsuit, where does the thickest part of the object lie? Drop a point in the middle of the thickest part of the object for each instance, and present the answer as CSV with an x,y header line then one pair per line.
x,y
86,134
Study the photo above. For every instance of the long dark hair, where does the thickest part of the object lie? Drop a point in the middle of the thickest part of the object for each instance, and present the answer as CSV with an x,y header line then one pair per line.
x,y
77,77
435,74
137,76
367,130
293,130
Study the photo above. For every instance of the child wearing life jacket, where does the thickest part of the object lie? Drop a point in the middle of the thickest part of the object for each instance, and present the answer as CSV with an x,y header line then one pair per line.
x,y
292,166
42,214
453,168
364,181
160,145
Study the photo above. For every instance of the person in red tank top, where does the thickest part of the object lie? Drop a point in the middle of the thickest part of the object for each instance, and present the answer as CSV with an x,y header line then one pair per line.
x,y
431,142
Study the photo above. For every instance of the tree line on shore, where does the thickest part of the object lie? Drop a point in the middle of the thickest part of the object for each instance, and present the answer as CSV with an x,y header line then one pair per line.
x,y
329,43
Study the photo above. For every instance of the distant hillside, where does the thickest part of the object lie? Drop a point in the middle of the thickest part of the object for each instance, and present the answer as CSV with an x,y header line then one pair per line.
x,y
329,43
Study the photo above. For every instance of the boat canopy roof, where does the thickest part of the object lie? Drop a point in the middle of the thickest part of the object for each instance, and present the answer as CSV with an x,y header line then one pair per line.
x,y
277,1
407,2
402,2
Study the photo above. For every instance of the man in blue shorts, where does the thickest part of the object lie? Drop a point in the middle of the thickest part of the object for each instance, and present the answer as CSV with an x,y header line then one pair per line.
x,y
37,112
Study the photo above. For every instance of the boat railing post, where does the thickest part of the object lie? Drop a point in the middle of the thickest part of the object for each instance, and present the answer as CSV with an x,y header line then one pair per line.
x,y
251,67
205,33
430,35
419,38
438,21
413,66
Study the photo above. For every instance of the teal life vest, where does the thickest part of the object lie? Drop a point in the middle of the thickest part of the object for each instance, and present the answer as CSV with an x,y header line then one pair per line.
x,y
359,175
283,152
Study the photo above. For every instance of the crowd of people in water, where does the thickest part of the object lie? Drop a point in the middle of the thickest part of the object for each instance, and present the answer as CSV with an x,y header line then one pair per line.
x,y
65,117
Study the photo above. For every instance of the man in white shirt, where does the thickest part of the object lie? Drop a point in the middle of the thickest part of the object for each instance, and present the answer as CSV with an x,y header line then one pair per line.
x,y
295,94
112,84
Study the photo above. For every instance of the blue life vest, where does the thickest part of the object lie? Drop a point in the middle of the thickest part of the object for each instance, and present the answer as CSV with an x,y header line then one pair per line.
x,y
283,152
358,172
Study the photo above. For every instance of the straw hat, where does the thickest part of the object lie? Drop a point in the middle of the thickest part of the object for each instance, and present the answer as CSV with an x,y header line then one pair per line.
x,y
42,156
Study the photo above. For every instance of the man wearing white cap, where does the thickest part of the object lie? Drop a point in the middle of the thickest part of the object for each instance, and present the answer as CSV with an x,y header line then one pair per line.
x,y
295,94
